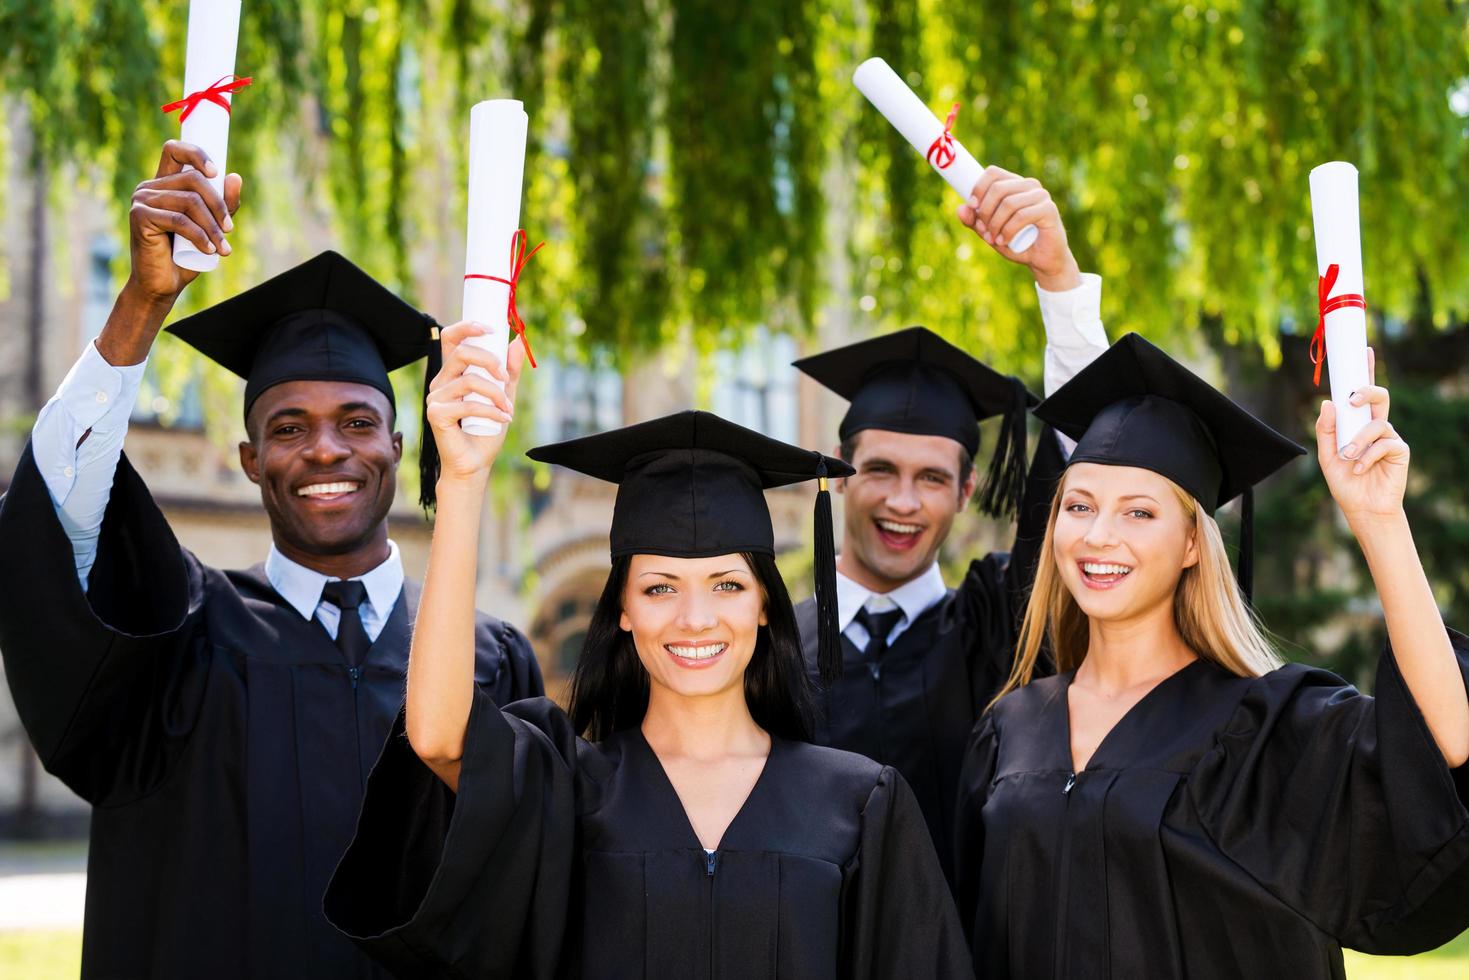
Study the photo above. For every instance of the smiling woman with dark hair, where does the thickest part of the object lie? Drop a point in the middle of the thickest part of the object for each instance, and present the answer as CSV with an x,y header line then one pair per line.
x,y
675,824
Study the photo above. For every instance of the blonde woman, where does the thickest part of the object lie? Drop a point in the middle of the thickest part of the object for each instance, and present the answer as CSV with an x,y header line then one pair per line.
x,y
1175,802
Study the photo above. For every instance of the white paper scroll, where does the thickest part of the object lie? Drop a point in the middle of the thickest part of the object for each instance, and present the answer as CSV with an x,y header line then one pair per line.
x,y
892,97
1339,243
497,129
214,28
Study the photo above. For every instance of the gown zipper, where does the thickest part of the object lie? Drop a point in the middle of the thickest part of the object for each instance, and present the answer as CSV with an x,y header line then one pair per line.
x,y
355,674
711,865
1063,889
874,670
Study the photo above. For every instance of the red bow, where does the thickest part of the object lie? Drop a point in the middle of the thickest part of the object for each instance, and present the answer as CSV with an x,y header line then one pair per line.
x,y
941,152
1326,303
215,93
518,258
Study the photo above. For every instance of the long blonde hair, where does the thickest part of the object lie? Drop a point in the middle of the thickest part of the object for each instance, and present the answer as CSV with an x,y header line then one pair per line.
x,y
1210,612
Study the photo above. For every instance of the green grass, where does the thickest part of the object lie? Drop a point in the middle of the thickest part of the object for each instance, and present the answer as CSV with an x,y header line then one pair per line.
x,y
45,955
1450,962
41,954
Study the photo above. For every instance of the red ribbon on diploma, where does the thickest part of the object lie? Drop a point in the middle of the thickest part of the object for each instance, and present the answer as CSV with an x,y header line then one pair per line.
x,y
518,258
1326,303
941,152
215,93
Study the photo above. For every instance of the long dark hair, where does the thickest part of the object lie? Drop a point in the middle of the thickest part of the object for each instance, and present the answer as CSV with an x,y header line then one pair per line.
x,y
609,689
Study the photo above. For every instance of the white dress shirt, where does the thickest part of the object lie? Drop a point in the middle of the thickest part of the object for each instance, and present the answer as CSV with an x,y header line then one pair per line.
x,y
913,597
301,588
93,396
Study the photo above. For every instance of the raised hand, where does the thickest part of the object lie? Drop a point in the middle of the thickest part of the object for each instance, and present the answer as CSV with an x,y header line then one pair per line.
x,y
1369,476
1001,204
174,202
178,202
464,457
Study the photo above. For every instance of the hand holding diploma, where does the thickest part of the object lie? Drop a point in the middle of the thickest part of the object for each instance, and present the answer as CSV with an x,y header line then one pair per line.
x,y
178,203
470,370
1003,203
934,140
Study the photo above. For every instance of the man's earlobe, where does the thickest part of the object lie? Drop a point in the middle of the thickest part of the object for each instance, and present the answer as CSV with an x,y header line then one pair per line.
x,y
966,492
398,448
250,461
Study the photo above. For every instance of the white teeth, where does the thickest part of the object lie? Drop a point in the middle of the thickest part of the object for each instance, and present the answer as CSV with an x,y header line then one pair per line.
x,y
895,528
322,489
702,652
1097,568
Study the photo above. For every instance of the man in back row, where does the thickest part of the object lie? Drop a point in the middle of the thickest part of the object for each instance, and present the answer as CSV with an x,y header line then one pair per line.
x,y
222,724
922,661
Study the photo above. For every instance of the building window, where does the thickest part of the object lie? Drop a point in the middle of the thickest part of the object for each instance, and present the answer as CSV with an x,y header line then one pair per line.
x,y
755,385
99,293
575,400
157,405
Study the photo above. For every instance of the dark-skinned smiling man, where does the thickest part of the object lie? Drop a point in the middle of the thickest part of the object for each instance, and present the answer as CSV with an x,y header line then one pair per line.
x,y
222,724
921,661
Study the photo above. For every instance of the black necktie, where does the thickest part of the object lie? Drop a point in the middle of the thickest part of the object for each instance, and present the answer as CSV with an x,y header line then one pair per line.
x,y
878,626
351,635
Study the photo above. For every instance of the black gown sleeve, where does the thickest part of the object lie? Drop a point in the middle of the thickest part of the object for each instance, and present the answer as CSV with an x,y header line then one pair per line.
x,y
974,787
901,920
107,682
1343,807
474,884
995,589
521,675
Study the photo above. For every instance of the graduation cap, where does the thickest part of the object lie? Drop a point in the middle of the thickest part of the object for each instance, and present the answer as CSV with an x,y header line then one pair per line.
x,y
324,320
916,382
1136,406
692,485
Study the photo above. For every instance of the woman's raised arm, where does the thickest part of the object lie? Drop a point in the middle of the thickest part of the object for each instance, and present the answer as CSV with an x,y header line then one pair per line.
x,y
1368,481
441,660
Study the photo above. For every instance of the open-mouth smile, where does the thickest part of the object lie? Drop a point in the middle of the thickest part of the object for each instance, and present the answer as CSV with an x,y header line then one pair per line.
x,y
695,655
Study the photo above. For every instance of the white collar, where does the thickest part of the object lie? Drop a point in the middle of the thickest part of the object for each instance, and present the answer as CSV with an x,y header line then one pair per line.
x,y
301,586
914,596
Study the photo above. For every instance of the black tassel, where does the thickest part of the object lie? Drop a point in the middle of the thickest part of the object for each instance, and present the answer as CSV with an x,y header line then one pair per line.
x,y
824,567
1004,482
1245,570
428,450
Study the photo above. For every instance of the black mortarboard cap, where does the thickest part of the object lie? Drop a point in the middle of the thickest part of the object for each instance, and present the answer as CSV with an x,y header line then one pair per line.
x,y
324,320
916,382
1136,406
691,485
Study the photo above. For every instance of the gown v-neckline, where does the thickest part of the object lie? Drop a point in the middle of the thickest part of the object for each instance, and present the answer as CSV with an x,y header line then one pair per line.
x,y
1120,724
666,785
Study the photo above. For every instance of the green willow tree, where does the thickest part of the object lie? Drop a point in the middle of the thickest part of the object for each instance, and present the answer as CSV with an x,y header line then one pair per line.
x,y
684,149
702,167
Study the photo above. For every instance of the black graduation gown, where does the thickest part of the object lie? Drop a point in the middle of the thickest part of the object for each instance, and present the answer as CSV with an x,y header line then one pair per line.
x,y
560,858
220,737
914,710
1226,827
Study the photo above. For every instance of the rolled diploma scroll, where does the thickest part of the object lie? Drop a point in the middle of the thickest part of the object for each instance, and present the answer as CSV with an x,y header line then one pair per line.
x,y
892,97
497,129
214,29
1339,243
